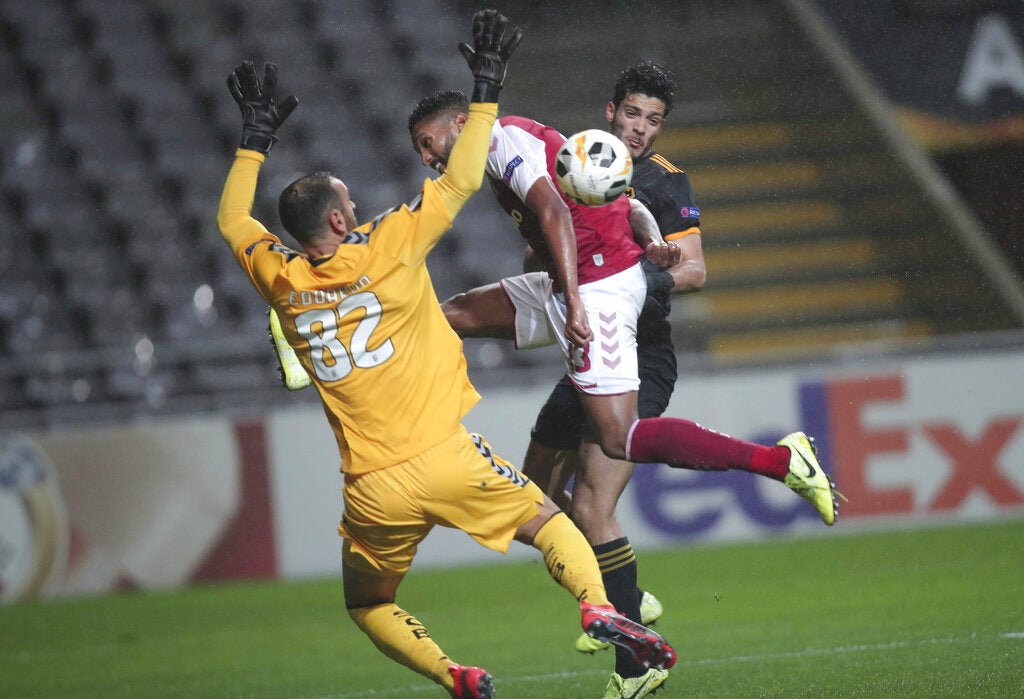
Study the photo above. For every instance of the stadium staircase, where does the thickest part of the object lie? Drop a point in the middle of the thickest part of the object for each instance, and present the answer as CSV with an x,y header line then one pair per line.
x,y
815,234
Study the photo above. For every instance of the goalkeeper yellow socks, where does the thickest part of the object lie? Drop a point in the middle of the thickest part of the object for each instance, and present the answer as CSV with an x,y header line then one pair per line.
x,y
570,560
398,635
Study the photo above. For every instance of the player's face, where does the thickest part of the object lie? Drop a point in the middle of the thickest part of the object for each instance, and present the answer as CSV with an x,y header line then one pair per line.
x,y
637,121
434,139
348,207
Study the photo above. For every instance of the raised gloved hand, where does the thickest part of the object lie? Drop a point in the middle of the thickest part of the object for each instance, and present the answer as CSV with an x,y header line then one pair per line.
x,y
261,114
488,57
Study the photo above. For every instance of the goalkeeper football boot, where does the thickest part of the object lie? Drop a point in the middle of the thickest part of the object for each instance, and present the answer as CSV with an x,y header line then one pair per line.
x,y
647,647
293,375
635,687
471,682
650,611
806,478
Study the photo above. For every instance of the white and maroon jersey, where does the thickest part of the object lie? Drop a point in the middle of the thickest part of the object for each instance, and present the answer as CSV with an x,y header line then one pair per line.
x,y
523,151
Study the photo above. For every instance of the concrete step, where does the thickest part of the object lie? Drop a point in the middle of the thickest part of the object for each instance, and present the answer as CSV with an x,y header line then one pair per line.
x,y
691,146
836,175
738,224
814,340
801,260
744,308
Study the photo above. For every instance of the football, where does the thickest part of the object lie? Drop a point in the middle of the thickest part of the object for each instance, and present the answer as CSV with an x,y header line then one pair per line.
x,y
593,167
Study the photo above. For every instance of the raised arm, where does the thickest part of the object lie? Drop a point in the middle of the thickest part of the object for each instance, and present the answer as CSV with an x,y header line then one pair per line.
x,y
261,117
488,60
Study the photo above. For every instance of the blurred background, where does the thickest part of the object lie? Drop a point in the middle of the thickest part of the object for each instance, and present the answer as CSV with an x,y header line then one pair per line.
x,y
858,166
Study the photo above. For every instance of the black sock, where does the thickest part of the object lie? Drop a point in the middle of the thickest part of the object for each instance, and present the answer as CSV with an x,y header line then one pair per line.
x,y
618,571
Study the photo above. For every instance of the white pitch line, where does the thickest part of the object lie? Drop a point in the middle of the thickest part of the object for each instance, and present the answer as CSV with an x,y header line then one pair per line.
x,y
861,648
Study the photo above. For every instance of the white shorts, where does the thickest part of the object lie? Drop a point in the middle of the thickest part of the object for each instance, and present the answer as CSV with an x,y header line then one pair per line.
x,y
606,366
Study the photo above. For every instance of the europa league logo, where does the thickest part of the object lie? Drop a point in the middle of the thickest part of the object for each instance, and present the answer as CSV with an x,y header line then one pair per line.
x,y
33,523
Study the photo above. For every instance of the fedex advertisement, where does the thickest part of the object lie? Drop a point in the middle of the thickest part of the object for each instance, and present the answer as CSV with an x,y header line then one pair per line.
x,y
938,438
908,442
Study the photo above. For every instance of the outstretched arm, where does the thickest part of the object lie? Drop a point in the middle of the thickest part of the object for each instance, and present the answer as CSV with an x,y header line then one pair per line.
x,y
261,117
234,217
488,60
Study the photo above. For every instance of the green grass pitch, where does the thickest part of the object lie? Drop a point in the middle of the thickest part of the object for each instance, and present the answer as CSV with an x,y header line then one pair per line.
x,y
936,612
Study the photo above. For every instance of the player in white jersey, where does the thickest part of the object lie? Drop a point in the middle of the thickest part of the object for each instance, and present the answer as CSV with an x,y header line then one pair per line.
x,y
533,310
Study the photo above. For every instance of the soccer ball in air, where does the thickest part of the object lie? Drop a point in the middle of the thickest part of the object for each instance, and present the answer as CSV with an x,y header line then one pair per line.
x,y
593,167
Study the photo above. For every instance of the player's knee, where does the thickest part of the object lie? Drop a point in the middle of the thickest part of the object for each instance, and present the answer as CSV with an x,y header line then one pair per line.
x,y
358,615
580,511
526,532
613,444
361,614
610,429
586,517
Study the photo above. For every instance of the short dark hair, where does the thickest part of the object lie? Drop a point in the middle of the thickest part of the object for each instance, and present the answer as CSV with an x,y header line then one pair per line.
x,y
445,101
305,204
646,78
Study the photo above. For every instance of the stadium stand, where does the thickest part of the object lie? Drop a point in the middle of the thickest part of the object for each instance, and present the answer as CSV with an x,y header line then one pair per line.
x,y
816,235
118,296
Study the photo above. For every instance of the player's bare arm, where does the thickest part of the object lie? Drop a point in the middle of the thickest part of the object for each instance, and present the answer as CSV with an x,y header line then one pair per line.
x,y
531,263
689,273
648,236
556,223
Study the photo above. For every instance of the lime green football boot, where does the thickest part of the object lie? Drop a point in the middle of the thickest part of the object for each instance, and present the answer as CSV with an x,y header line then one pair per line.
x,y
806,479
635,687
293,375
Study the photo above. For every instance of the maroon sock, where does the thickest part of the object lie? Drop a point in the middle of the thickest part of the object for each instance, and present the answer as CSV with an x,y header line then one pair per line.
x,y
685,444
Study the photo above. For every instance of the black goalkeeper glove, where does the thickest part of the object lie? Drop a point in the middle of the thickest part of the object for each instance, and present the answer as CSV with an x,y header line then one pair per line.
x,y
261,115
488,57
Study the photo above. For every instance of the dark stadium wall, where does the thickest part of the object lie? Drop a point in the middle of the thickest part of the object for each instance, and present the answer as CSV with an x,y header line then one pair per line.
x,y
953,71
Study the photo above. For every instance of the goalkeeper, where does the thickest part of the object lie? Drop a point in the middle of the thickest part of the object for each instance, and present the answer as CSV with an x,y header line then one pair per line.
x,y
358,308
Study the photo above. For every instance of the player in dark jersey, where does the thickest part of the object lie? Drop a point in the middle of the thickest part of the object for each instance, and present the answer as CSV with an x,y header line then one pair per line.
x,y
641,101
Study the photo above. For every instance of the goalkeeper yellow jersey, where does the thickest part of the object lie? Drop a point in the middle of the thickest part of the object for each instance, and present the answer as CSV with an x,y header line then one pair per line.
x,y
366,323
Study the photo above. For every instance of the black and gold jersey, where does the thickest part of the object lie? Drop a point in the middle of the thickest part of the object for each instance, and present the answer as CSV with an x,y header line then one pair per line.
x,y
666,192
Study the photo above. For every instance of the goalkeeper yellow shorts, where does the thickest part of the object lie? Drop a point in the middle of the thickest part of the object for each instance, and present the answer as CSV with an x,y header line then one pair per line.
x,y
459,483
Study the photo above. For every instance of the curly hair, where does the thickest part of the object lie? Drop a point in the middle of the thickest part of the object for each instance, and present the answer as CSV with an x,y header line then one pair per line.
x,y
646,78
443,102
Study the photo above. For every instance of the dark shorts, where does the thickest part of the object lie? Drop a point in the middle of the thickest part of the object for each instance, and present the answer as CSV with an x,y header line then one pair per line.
x,y
561,420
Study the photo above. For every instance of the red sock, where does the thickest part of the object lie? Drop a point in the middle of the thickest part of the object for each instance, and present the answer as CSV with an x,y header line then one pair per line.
x,y
685,444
